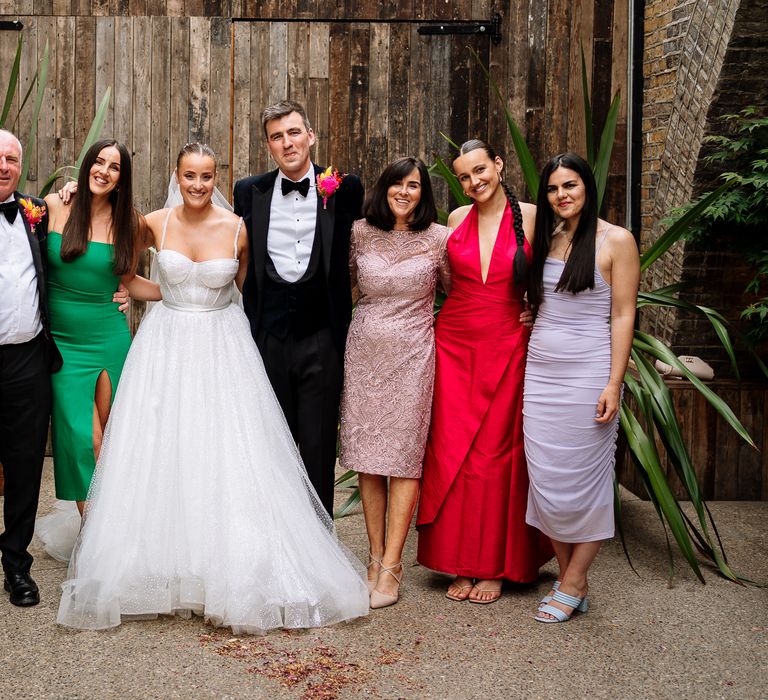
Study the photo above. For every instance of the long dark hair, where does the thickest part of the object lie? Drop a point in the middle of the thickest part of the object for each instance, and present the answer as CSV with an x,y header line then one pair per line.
x,y
125,219
519,263
376,208
579,271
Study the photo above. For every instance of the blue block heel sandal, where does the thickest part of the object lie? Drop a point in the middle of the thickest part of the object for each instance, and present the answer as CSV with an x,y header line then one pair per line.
x,y
572,601
547,598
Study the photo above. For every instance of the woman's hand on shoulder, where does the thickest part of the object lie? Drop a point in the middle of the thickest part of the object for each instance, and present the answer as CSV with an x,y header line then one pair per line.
x,y
67,192
57,212
457,216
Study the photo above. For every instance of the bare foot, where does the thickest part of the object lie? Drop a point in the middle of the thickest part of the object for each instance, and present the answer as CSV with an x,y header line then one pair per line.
x,y
486,591
459,588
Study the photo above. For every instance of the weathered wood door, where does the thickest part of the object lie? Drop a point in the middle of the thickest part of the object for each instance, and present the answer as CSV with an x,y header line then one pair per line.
x,y
373,90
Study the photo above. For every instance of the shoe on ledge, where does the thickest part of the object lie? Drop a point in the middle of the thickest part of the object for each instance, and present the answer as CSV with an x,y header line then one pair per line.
x,y
23,589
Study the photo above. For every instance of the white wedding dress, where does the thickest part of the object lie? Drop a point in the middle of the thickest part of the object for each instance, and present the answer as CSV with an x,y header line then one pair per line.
x,y
200,502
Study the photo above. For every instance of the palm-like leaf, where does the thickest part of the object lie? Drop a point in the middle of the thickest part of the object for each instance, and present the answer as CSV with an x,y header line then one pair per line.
x,y
440,169
662,412
676,231
349,480
603,157
42,79
585,92
647,343
13,80
665,297
90,139
524,157
646,457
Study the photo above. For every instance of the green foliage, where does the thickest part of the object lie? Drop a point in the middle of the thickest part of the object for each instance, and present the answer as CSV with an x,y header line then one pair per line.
x,y
740,156
38,83
348,480
601,162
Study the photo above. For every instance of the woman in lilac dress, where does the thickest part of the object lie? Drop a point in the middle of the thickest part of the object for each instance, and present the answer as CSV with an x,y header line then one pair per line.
x,y
397,254
583,291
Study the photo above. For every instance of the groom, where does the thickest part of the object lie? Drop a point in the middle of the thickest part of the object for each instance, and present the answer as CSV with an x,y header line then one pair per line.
x,y
27,357
297,290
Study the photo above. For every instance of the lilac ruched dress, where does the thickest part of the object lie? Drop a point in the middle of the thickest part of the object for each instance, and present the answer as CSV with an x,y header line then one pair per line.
x,y
389,363
570,457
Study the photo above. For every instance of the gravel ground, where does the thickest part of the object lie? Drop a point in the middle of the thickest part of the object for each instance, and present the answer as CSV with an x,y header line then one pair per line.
x,y
642,637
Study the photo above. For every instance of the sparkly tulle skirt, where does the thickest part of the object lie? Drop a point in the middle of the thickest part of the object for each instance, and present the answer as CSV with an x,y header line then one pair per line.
x,y
200,502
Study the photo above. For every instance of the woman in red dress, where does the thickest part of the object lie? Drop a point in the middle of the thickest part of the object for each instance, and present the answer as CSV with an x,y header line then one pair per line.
x,y
471,518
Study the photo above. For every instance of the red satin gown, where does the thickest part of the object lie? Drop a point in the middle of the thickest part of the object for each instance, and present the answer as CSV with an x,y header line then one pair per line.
x,y
471,518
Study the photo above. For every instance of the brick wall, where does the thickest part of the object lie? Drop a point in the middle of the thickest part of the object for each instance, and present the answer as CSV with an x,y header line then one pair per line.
x,y
702,59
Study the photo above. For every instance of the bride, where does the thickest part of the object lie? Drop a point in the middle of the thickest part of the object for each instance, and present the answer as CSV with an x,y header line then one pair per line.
x,y
200,502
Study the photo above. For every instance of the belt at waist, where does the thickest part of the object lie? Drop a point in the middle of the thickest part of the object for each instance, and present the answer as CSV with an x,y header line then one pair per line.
x,y
194,308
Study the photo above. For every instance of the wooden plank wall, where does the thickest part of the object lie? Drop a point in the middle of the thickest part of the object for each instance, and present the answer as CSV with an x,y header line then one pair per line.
x,y
727,468
374,89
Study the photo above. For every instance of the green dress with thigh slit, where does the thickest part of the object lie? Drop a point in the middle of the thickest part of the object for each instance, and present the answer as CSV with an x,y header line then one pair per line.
x,y
92,336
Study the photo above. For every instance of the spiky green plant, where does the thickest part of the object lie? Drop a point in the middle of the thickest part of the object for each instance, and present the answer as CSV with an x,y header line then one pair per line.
x,y
37,85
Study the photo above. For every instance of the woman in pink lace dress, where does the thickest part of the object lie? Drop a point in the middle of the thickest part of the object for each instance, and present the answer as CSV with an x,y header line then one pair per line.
x,y
397,254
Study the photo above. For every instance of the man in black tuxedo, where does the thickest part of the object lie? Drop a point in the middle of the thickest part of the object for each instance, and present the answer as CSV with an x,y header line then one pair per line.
x,y
27,357
297,291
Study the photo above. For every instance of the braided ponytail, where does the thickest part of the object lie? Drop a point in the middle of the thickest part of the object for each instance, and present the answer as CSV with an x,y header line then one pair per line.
x,y
520,262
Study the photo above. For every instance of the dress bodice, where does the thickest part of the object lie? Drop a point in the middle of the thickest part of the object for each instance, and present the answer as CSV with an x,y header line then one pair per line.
x,y
489,310
464,258
589,310
396,271
185,283
190,285
88,278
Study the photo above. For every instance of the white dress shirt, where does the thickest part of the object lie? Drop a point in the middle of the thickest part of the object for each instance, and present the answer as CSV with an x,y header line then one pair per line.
x,y
292,220
19,303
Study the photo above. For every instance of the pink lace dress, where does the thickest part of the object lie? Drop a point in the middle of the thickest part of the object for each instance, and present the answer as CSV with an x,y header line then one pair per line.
x,y
389,363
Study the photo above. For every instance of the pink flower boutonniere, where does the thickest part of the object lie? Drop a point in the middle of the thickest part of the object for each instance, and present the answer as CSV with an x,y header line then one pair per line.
x,y
32,212
327,183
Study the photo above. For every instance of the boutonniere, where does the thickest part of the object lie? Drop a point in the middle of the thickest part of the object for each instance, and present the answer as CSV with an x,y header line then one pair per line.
x,y
327,183
33,213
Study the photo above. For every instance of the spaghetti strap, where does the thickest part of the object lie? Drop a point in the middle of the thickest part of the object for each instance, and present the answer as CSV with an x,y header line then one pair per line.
x,y
237,234
602,240
165,228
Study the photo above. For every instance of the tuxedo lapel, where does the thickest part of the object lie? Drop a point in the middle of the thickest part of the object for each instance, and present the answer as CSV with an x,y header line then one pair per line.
x,y
34,245
261,203
326,216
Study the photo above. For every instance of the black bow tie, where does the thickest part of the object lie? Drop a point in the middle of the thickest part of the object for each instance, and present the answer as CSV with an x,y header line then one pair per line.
x,y
10,209
302,187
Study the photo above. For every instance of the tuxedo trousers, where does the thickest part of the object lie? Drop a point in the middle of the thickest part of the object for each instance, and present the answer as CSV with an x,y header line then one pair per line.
x,y
25,410
306,374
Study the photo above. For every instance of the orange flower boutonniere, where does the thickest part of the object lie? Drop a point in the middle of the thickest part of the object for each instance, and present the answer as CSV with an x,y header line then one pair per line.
x,y
327,183
34,213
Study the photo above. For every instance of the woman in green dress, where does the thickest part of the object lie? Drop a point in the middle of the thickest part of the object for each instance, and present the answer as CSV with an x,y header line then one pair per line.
x,y
93,245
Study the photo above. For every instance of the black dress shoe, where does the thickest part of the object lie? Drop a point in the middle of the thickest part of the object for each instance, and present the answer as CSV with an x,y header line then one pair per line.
x,y
22,588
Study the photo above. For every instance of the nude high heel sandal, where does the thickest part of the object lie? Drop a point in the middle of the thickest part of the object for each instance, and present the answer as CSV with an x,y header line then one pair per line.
x,y
372,560
382,600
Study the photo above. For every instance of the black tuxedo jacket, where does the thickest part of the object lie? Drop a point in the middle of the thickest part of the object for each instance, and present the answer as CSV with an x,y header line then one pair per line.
x,y
253,199
36,240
